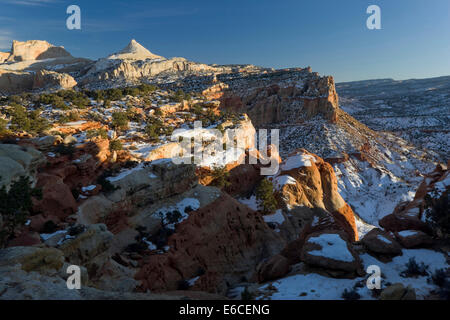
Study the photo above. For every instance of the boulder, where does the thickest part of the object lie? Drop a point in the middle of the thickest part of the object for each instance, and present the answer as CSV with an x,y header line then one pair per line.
x,y
15,82
398,291
94,241
44,79
32,258
380,242
17,161
274,268
94,210
150,182
44,143
413,239
35,50
57,197
330,250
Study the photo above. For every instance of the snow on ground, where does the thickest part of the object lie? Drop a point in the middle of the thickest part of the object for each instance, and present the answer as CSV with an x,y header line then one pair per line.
x,y
333,247
318,287
277,217
374,193
297,161
46,236
125,173
181,207
251,202
281,181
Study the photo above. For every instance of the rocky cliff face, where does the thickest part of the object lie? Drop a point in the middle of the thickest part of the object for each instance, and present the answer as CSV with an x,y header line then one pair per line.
x,y
282,97
35,50
306,181
44,79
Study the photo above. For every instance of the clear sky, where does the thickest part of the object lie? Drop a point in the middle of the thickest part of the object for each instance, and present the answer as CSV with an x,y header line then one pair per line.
x,y
330,36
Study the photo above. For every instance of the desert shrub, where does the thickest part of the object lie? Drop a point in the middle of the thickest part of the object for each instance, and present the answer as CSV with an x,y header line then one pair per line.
x,y
441,279
102,133
70,117
351,294
96,95
179,96
152,131
161,237
414,269
64,149
436,212
131,91
147,88
29,121
114,94
264,193
220,177
158,112
197,109
77,98
120,120
3,124
107,186
54,100
15,206
115,145
95,117
133,115
76,230
173,216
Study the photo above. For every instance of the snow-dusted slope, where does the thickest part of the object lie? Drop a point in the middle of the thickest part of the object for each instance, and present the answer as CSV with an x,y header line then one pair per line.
x,y
417,110
135,51
375,171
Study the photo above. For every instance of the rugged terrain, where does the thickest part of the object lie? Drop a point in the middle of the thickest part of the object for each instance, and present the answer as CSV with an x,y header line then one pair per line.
x,y
88,179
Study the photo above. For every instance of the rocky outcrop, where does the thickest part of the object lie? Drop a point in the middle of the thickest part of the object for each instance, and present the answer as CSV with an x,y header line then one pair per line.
x,y
4,56
12,82
44,79
414,215
32,258
35,50
413,239
380,242
285,96
306,186
134,51
57,198
129,70
398,291
273,268
17,161
330,250
225,238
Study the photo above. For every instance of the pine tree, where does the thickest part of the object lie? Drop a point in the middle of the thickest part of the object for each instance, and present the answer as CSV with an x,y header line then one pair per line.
x,y
265,194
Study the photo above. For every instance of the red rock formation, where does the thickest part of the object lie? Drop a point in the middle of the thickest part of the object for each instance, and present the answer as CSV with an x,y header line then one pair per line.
x,y
277,100
57,197
409,215
314,185
225,238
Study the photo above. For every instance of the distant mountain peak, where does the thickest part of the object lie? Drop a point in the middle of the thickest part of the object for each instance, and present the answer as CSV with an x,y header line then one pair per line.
x,y
134,50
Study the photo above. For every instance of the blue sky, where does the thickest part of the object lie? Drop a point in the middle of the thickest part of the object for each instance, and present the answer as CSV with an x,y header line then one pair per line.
x,y
330,36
